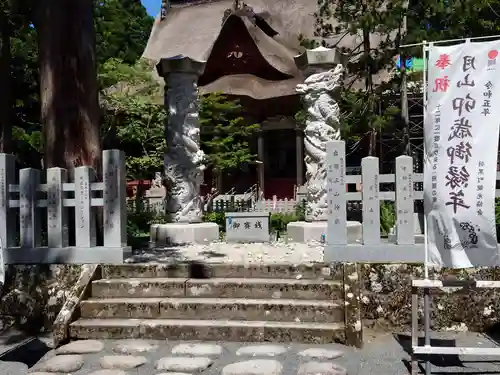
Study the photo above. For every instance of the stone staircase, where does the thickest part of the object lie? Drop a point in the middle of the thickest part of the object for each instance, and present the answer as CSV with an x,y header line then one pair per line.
x,y
216,302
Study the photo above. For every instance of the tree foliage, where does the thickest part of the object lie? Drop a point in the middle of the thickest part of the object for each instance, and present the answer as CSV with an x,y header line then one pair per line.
x,y
225,134
425,20
122,30
381,19
442,19
363,19
134,120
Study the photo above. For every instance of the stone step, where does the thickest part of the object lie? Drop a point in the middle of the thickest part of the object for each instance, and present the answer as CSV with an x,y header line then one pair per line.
x,y
213,330
214,308
204,270
218,288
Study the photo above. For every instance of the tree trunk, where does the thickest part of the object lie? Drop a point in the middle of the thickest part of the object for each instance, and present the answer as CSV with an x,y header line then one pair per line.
x,y
70,111
369,86
5,84
68,83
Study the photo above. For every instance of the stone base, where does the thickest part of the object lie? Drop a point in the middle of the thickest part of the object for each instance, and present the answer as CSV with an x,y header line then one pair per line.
x,y
183,234
419,238
303,231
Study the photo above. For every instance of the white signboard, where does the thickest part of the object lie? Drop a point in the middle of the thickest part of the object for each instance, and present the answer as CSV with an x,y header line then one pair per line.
x,y
461,140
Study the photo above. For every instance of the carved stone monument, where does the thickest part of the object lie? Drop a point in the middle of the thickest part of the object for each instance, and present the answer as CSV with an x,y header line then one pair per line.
x,y
324,73
184,158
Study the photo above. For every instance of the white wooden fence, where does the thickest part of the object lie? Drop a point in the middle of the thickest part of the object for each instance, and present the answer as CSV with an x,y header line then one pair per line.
x,y
276,205
27,198
264,205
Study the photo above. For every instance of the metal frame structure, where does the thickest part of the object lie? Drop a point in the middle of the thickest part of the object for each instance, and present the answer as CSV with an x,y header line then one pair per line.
x,y
411,139
427,350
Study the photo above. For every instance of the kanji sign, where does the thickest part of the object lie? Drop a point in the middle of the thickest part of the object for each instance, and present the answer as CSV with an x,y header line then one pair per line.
x,y
461,139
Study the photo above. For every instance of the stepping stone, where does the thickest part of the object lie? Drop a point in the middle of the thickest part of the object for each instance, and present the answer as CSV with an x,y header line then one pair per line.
x,y
321,368
62,363
122,362
13,368
262,350
254,367
81,347
183,364
321,353
197,349
107,372
134,346
41,373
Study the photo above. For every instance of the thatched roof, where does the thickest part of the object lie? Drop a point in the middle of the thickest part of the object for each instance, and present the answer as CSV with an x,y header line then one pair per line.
x,y
193,29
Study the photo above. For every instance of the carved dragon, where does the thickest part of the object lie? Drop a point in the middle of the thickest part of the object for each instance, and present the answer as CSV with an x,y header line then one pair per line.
x,y
322,125
184,158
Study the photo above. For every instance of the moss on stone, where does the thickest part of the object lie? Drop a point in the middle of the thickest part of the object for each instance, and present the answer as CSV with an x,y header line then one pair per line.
x,y
386,297
33,295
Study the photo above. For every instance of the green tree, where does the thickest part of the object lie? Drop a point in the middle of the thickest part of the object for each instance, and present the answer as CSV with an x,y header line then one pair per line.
x,y
27,131
225,134
122,29
364,18
134,120
127,42
425,20
441,19
5,77
12,21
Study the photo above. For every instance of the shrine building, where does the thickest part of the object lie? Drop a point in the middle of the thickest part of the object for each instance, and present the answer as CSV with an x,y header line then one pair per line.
x,y
249,51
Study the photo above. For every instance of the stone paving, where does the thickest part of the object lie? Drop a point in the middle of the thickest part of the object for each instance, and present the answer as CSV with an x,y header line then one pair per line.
x,y
277,252
92,357
382,355
220,252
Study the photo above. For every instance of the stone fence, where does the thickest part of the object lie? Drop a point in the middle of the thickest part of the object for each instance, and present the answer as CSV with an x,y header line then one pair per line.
x,y
35,213
399,187
406,246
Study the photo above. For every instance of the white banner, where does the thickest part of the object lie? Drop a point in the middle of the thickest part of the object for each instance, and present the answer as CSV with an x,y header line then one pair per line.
x,y
2,266
461,144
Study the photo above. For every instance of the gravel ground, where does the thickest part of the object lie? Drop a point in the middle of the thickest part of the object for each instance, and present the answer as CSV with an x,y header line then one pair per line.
x,y
221,252
383,354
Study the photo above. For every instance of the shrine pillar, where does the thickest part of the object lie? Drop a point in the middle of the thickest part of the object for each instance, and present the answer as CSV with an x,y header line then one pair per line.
x,y
184,161
324,74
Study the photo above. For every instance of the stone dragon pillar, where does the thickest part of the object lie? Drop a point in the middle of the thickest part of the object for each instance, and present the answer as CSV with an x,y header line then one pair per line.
x,y
322,125
184,160
324,78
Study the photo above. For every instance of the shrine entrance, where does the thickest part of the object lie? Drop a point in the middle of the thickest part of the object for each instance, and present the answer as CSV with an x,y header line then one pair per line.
x,y
280,164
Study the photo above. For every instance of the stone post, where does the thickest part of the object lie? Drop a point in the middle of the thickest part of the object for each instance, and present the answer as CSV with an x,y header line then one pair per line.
x,y
184,158
323,73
